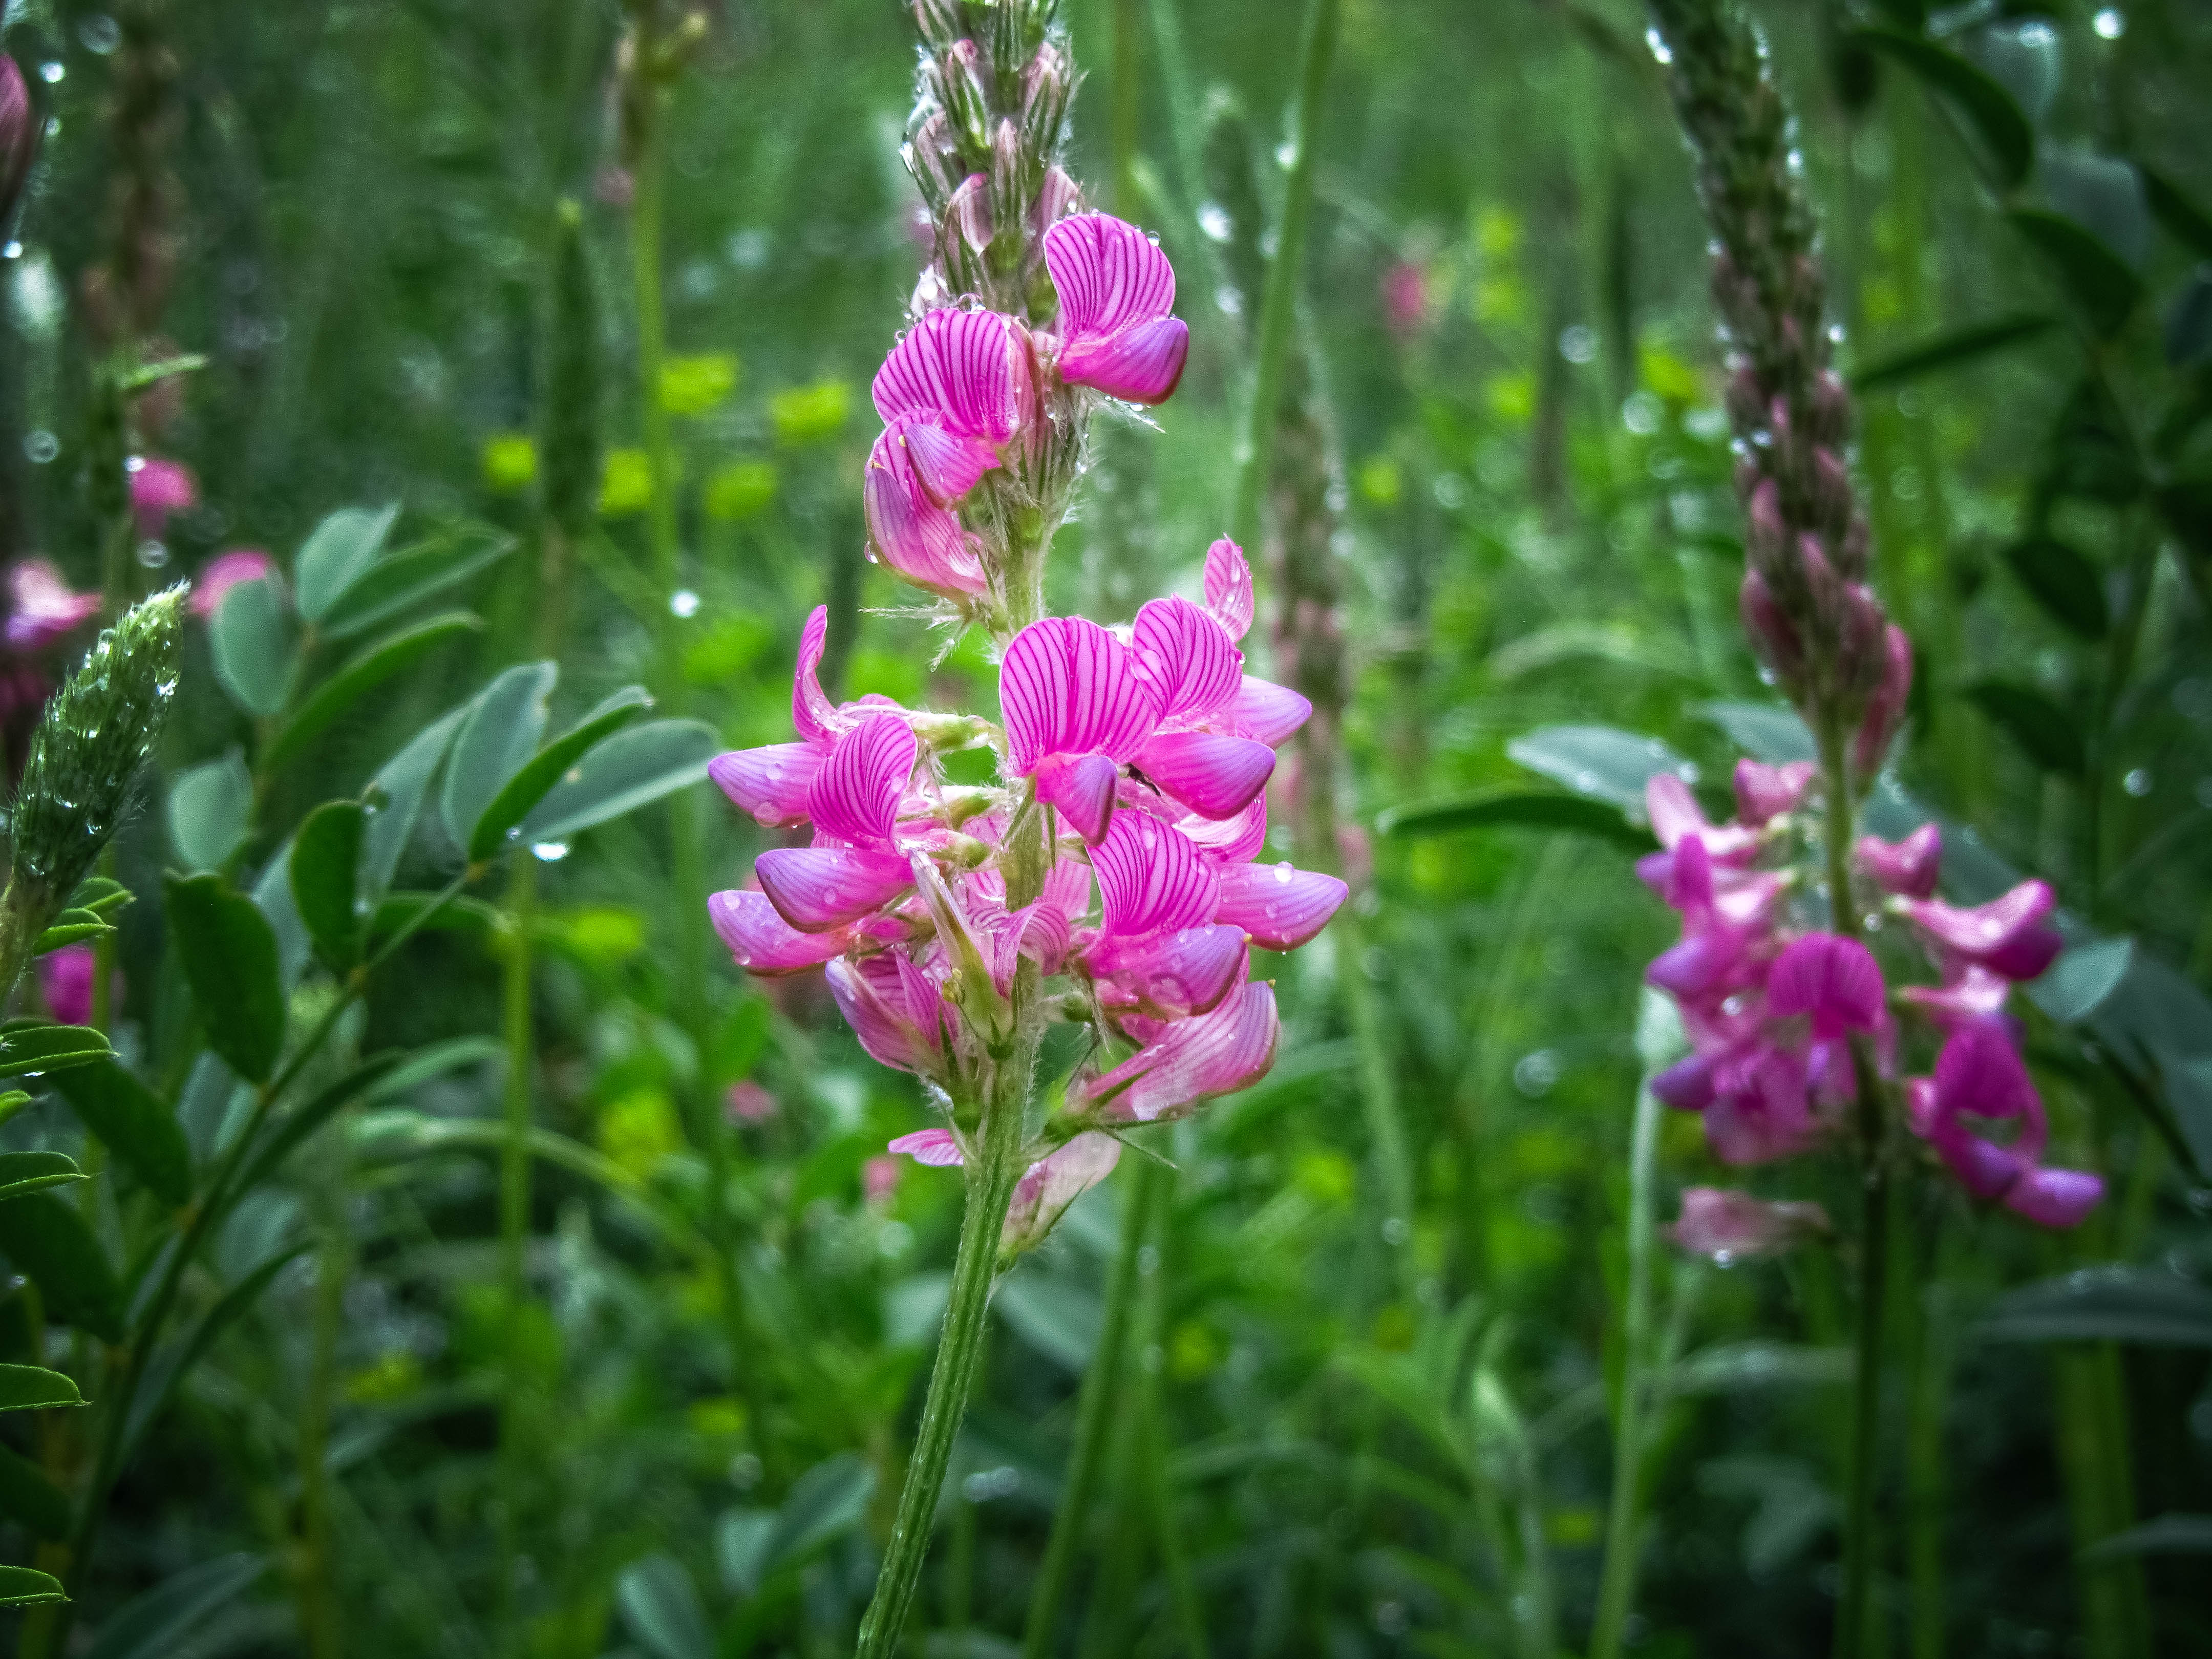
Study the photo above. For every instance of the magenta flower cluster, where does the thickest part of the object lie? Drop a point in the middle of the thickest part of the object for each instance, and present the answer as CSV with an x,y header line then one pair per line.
x,y
1780,1016
1132,767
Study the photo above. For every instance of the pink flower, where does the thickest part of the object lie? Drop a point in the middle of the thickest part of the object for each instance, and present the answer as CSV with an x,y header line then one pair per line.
x,y
1117,290
1907,868
1158,950
1404,298
1765,793
879,1178
746,1102
2008,936
856,865
895,1008
1047,1188
66,980
1191,1061
1076,710
1197,755
1834,981
1728,1226
158,489
1979,1075
42,607
225,571
19,136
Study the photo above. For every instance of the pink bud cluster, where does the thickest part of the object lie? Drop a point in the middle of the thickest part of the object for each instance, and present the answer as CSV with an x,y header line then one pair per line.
x,y
1780,1015
19,136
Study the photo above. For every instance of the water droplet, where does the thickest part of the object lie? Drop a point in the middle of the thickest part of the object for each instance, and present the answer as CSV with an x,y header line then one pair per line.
x,y
683,603
1283,873
51,71
1659,49
1214,219
41,447
2137,782
549,851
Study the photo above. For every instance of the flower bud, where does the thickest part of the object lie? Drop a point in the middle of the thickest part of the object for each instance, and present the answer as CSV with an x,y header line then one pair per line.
x,y
1745,400
938,21
1772,635
1885,710
19,136
933,156
1833,502
1013,175
1045,84
1766,536
964,79
968,215
1056,199
1829,413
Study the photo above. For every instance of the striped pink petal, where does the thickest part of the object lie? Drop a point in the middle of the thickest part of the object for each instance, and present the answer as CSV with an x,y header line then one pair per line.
x,y
762,941
1142,364
1215,1054
912,534
1082,788
1191,662
1229,587
1834,980
769,782
938,1148
1279,907
896,1021
1052,1183
1267,713
1151,879
818,888
1068,687
969,370
946,463
811,711
855,792
1232,841
1217,777
1173,976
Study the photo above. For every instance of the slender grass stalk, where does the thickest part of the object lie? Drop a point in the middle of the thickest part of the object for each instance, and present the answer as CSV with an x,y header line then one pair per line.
x,y
319,1613
1279,302
514,1217
989,1181
1616,1594
1924,1459
1093,1412
1378,1089
1185,1604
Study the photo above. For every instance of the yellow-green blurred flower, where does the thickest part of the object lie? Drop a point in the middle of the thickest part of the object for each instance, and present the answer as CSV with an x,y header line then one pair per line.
x,y
627,485
638,1130
692,386
810,414
739,490
510,462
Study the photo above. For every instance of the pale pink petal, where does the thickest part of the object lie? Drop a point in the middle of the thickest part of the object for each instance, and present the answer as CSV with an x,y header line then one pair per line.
x,y
855,792
1151,879
1229,587
1885,709
946,463
884,1031
1975,994
811,711
1142,364
42,606
1764,791
1109,274
1907,868
1171,976
1267,713
1082,788
818,888
769,782
1279,907
970,369
158,489
925,1003
224,571
1068,687
2008,935
1053,1183
1232,841
1731,1225
2056,1198
912,534
937,1148
1194,667
1216,777
1833,979
763,942
1215,1054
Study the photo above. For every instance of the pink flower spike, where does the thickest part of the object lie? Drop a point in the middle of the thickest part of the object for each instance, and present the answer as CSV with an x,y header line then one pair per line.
x,y
1216,777
65,981
1279,907
1728,1226
2056,1198
158,489
1268,712
816,889
1052,1184
1907,868
763,942
224,571
1833,979
769,782
1763,791
42,607
1194,667
965,371
854,793
937,1148
914,535
1195,1059
746,1102
1228,589
2008,935
1117,290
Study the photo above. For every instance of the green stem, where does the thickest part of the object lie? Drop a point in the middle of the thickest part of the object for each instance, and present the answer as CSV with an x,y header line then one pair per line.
x,y
1616,1593
1187,1606
1093,1414
1924,1452
990,1180
1279,302
514,1219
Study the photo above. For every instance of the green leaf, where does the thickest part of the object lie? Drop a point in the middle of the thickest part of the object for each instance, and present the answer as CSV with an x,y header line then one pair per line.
x,y
326,881
2061,579
12,1101
2167,1535
1601,761
36,1050
156,1625
1056,1316
101,895
33,1388
1538,809
228,950
630,770
135,1123
2189,322
2036,722
2104,196
1950,350
280,1139
2146,1305
338,553
825,1502
2085,975
2097,279
69,927
2006,140
53,1243
548,766
363,673
161,368
33,1172
1728,1367
2022,55
25,1495
500,733
462,914
396,794
1765,731
2186,222
742,1537
412,576
23,1587
660,1608
253,641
